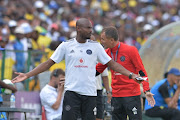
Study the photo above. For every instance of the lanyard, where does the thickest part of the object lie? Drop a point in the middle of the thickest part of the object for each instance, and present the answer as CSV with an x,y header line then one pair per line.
x,y
116,53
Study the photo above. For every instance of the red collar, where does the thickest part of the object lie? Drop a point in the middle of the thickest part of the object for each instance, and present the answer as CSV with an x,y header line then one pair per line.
x,y
114,49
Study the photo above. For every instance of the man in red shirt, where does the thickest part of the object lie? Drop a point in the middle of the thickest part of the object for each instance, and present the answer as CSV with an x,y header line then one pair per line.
x,y
125,92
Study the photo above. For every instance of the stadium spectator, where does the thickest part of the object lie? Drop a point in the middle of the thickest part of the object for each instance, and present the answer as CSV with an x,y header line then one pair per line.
x,y
126,99
52,95
166,94
81,55
18,45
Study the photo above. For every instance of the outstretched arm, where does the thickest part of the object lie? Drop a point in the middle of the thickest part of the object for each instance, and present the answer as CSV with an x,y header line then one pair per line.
x,y
39,69
119,68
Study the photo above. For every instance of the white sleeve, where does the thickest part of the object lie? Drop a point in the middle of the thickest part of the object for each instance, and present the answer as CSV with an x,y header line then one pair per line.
x,y
105,72
103,57
47,98
59,53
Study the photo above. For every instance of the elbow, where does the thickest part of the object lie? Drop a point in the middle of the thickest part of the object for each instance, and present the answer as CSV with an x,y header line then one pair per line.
x,y
55,107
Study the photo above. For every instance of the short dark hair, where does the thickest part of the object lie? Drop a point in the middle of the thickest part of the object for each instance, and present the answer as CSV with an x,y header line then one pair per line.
x,y
111,32
57,72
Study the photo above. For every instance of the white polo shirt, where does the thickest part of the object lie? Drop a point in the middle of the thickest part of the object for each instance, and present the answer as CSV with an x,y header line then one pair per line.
x,y
80,59
48,96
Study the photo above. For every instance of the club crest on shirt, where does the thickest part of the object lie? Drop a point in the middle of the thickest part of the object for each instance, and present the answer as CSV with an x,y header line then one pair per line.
x,y
89,52
122,58
67,107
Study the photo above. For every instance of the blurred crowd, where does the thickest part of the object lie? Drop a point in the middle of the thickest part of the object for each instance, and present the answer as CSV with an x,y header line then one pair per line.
x,y
44,24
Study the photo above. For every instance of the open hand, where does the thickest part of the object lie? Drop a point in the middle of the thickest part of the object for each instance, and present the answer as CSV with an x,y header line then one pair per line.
x,y
150,99
19,78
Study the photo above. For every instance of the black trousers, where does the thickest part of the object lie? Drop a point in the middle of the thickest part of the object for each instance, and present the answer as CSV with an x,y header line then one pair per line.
x,y
126,106
163,112
100,105
78,107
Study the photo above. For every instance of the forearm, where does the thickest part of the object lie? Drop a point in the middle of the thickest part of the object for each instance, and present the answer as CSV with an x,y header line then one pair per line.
x,y
145,86
118,68
106,83
12,88
174,99
41,68
4,85
58,101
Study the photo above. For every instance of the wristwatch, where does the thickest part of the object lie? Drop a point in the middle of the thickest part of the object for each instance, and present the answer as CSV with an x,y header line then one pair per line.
x,y
146,91
130,75
107,92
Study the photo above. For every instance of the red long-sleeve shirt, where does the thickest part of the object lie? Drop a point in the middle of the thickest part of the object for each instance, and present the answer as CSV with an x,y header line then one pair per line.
x,y
129,58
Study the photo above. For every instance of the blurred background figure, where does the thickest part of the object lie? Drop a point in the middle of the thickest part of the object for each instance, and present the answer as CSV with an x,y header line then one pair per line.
x,y
52,95
5,89
166,93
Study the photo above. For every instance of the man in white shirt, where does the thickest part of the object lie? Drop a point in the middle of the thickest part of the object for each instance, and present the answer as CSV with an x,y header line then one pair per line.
x,y
81,55
52,95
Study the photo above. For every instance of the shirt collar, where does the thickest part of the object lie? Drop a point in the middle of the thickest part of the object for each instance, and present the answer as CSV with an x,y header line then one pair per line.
x,y
114,49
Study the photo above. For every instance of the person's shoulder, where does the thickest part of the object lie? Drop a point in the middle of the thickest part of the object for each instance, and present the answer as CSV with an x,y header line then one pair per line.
x,y
70,40
163,85
160,84
92,41
128,48
44,90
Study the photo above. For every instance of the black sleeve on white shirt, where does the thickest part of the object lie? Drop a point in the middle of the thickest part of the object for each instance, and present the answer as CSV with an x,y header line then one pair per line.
x,y
97,73
163,89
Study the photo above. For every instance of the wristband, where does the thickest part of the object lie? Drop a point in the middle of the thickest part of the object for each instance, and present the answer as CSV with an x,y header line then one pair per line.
x,y
130,75
146,91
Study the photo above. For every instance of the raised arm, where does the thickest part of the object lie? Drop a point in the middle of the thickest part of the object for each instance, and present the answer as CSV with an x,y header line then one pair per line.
x,y
39,69
56,105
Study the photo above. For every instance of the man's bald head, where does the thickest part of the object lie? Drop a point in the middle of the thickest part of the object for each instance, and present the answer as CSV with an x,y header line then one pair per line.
x,y
84,29
82,22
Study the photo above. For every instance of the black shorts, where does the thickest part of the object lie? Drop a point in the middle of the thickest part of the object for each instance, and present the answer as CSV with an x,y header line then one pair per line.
x,y
100,105
126,106
165,113
77,107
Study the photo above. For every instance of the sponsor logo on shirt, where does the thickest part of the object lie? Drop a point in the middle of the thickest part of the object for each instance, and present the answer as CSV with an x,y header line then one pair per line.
x,y
72,51
81,61
89,52
122,58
